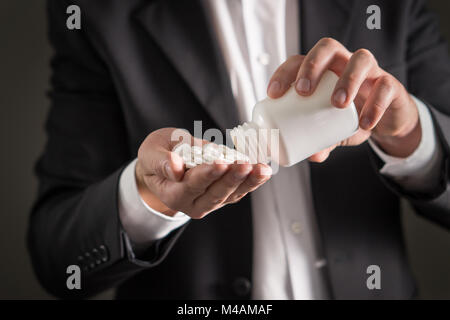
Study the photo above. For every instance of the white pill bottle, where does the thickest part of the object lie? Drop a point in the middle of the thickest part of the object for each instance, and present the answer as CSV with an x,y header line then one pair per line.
x,y
304,125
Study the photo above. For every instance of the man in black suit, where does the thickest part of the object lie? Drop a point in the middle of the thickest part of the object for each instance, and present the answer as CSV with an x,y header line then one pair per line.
x,y
138,68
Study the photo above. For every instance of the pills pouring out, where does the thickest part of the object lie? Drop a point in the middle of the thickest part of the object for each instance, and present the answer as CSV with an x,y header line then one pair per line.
x,y
285,130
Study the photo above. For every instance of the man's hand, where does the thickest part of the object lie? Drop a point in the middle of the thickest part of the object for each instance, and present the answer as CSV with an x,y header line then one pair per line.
x,y
167,187
387,112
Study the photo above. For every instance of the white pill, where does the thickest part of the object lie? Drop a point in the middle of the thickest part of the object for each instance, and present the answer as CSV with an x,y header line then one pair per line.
x,y
209,153
196,150
240,157
197,155
209,158
211,148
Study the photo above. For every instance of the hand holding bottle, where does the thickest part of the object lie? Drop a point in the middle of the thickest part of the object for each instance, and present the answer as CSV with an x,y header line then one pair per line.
x,y
387,112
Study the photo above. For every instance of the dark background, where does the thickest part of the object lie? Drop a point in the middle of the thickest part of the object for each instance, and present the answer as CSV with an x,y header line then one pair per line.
x,y
24,74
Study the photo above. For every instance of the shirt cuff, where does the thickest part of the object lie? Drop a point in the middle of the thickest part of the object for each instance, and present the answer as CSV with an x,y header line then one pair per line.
x,y
422,168
141,223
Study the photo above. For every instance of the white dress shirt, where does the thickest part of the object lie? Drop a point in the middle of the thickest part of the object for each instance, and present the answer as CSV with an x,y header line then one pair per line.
x,y
255,37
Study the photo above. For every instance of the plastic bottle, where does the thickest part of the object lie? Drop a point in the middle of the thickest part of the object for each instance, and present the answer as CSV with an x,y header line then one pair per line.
x,y
305,125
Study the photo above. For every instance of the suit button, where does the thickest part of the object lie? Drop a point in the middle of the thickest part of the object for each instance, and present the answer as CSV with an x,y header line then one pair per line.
x,y
82,263
241,286
89,261
97,256
104,256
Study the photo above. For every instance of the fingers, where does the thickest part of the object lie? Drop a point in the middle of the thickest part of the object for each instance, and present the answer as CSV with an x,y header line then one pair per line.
x,y
380,98
361,64
326,54
161,176
322,155
180,195
259,175
198,179
220,190
284,76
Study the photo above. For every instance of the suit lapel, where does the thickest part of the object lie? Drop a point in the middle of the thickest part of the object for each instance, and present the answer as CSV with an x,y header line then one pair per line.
x,y
184,34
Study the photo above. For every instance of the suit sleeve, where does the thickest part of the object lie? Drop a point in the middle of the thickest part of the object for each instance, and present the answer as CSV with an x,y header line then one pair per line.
x,y
428,65
75,220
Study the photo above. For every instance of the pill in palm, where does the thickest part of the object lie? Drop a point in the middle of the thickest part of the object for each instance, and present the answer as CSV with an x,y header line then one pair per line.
x,y
197,153
209,153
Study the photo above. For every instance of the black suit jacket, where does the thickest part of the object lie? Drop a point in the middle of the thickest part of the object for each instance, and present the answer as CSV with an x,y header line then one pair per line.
x,y
140,65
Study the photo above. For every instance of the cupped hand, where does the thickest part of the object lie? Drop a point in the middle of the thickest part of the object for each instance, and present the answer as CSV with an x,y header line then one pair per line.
x,y
166,186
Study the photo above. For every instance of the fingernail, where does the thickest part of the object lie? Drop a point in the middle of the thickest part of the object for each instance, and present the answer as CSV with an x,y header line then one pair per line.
x,y
274,88
340,96
365,123
303,85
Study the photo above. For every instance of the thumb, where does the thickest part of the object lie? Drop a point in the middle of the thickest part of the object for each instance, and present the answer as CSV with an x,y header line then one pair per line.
x,y
164,163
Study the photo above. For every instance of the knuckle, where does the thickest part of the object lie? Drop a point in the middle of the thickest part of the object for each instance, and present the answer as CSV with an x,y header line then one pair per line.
x,y
351,79
386,82
378,105
364,54
311,65
327,41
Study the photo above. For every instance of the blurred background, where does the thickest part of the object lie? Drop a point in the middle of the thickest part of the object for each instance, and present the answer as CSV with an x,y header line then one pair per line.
x,y
24,75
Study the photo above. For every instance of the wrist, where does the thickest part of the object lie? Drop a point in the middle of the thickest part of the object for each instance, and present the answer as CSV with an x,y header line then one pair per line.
x,y
404,142
149,197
